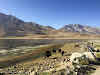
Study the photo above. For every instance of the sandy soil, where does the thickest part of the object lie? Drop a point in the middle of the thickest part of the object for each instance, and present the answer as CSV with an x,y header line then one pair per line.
x,y
97,72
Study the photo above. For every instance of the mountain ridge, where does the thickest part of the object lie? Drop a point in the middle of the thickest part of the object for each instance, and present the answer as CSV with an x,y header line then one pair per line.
x,y
13,26
82,29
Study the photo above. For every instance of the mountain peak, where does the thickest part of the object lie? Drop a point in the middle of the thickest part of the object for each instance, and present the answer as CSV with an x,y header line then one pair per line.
x,y
74,25
80,29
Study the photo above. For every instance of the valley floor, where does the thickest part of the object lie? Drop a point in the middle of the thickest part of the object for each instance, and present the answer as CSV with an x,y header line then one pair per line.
x,y
55,36
53,65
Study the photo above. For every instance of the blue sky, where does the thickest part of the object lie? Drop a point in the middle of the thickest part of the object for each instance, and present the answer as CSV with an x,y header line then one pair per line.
x,y
55,13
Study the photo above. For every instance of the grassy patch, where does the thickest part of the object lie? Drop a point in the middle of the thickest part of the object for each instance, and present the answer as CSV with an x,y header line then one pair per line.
x,y
70,48
98,54
45,73
28,56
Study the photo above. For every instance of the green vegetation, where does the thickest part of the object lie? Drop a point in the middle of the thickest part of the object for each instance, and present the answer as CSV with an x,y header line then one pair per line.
x,y
45,73
98,54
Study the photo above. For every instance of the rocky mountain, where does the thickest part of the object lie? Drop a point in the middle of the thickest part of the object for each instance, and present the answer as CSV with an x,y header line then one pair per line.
x,y
83,29
12,26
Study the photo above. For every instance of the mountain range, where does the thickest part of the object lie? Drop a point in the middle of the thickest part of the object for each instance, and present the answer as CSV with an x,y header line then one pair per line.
x,y
82,29
12,26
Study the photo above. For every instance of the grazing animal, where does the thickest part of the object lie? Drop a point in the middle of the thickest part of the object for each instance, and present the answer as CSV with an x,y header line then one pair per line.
x,y
59,50
62,53
77,45
54,50
48,53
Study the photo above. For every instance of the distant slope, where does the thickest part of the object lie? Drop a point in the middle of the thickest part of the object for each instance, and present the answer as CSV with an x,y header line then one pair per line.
x,y
33,28
12,26
82,29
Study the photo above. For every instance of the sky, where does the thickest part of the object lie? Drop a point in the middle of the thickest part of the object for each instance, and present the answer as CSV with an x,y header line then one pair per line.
x,y
55,13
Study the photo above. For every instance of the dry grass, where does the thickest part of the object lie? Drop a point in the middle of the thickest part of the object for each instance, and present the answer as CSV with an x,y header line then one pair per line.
x,y
70,48
56,35
26,57
98,55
